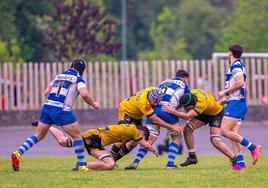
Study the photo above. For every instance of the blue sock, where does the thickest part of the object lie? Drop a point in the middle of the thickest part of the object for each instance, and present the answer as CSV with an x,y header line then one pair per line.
x,y
141,153
248,144
27,144
172,153
239,160
80,152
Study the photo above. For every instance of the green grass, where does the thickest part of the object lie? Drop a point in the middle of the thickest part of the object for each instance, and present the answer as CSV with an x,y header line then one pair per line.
x,y
212,171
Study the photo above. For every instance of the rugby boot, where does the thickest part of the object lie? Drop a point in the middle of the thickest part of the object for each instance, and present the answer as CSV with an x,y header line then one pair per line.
x,y
237,167
34,123
256,154
173,167
83,169
189,161
132,166
76,167
15,158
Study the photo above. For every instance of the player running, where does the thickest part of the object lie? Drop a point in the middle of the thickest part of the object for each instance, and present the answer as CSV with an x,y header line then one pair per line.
x,y
61,94
96,139
236,109
173,89
132,109
201,109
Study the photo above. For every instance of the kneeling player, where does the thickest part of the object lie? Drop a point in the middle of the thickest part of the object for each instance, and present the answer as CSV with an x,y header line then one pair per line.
x,y
202,109
96,139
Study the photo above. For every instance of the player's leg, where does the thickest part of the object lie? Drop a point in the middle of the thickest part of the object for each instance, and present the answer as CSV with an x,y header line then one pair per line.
x,y
189,129
60,137
125,149
154,133
105,160
228,124
73,130
40,133
239,163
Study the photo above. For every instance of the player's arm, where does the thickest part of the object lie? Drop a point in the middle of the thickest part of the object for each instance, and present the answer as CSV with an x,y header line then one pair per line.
x,y
147,146
156,120
87,97
48,89
189,115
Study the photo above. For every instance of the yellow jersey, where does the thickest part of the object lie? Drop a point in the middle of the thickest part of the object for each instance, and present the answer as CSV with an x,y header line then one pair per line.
x,y
137,105
115,133
206,104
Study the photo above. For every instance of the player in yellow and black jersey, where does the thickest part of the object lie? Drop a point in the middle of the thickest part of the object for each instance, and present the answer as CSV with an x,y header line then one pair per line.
x,y
201,109
96,139
132,109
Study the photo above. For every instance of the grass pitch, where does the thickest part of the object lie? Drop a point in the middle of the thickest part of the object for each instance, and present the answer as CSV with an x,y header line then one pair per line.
x,y
211,171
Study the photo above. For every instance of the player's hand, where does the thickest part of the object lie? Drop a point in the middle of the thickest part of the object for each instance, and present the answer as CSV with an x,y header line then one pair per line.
x,y
221,94
178,128
155,153
223,101
96,105
167,109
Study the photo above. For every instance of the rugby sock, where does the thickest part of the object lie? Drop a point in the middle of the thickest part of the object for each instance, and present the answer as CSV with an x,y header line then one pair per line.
x,y
122,152
172,153
248,144
80,152
27,144
114,151
141,153
239,160
192,153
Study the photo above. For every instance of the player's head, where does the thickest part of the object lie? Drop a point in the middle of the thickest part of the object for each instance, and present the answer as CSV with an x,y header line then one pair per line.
x,y
144,131
79,65
235,52
183,74
188,101
155,96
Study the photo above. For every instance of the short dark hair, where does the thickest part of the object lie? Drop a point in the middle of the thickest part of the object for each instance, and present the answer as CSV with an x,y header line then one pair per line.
x,y
182,73
145,130
236,50
79,65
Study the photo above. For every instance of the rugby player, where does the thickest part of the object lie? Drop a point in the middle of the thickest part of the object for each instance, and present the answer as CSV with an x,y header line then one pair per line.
x,y
132,109
173,89
61,94
201,109
96,139
236,108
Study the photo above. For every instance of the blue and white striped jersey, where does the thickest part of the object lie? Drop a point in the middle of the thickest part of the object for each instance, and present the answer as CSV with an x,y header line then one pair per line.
x,y
65,90
173,89
236,68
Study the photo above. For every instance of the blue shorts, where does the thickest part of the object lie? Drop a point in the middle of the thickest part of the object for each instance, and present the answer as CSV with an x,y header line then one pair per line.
x,y
167,117
236,109
55,115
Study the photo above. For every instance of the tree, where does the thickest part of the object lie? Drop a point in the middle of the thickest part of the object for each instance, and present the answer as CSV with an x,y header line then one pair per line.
x,y
248,27
81,29
167,44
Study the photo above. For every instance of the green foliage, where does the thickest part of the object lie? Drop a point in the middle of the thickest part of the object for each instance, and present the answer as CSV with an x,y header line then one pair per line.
x,y
211,171
249,27
11,54
167,43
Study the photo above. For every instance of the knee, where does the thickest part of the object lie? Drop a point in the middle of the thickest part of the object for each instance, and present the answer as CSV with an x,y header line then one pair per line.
x,y
110,165
189,128
62,142
215,140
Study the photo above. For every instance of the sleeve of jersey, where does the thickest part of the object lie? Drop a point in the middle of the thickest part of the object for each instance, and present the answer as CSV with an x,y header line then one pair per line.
x,y
146,109
137,136
200,107
80,83
236,70
174,101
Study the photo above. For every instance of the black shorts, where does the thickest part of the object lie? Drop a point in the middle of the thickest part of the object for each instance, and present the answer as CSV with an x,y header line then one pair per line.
x,y
213,121
129,120
92,141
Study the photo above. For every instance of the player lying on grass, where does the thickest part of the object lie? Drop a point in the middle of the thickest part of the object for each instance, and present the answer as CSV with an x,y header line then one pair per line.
x,y
201,109
132,109
173,89
96,139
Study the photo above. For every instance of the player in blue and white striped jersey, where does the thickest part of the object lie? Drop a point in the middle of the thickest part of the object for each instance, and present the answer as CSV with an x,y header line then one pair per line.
x,y
173,89
236,108
61,94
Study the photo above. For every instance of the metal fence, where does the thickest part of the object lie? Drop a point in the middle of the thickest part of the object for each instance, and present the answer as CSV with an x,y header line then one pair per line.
x,y
22,85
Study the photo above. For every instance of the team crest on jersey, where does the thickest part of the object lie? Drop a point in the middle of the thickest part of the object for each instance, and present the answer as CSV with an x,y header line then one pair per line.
x,y
148,107
87,141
